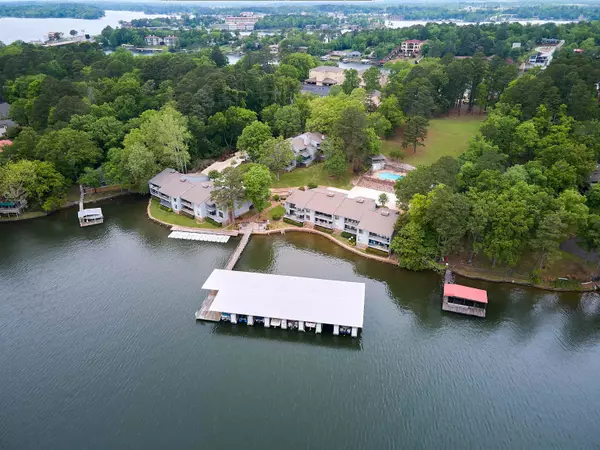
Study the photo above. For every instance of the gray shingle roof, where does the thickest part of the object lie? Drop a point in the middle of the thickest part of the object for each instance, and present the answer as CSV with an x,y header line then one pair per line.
x,y
176,186
380,221
325,202
199,193
355,208
300,198
328,69
163,177
4,109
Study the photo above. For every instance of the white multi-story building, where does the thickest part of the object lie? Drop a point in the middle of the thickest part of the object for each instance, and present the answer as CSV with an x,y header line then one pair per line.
x,y
305,147
190,195
372,226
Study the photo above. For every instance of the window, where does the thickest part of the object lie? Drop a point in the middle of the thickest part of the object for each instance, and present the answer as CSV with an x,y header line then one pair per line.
x,y
221,214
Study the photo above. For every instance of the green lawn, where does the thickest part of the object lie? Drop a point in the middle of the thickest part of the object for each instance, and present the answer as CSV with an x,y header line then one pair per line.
x,y
279,209
176,219
315,173
448,136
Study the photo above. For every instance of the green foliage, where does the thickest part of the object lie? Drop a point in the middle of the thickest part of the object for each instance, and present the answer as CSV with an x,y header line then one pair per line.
x,y
312,185
257,181
213,222
252,138
159,142
277,154
397,155
323,229
376,252
276,197
292,222
347,235
336,163
229,191
351,81
415,132
358,138
91,177
214,174
383,199
36,181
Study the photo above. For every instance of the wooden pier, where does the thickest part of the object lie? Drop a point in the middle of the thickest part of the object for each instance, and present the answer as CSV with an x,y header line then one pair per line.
x,y
204,313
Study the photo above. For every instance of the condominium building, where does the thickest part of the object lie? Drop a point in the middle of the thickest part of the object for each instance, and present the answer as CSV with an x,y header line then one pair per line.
x,y
190,195
372,226
332,76
305,147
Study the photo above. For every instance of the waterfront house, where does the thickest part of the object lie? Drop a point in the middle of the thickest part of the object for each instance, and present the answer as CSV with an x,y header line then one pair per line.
x,y
305,147
411,47
372,226
152,40
190,195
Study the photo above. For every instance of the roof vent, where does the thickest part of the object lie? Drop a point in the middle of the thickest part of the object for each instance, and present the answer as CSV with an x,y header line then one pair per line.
x,y
182,179
360,200
205,185
330,194
385,213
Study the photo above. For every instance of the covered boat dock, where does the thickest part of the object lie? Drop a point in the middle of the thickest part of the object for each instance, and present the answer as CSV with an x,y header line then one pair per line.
x,y
90,216
286,301
464,300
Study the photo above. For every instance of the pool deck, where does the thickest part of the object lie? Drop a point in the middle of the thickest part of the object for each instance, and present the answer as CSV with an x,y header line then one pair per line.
x,y
385,175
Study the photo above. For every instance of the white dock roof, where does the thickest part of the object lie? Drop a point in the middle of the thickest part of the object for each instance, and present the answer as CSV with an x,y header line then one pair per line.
x,y
285,297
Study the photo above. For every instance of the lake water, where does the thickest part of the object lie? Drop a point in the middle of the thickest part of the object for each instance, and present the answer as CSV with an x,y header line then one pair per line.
x,y
100,349
15,29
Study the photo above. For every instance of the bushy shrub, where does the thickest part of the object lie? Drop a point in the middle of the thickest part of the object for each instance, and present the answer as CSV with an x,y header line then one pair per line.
x,y
276,197
301,188
276,216
375,251
213,222
323,229
312,185
292,222
396,154
347,235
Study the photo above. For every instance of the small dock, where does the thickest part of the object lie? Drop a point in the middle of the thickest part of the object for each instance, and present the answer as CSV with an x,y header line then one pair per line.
x,y
463,299
90,216
204,313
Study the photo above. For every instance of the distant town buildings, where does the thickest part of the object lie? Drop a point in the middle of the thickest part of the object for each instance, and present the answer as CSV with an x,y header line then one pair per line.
x,y
154,41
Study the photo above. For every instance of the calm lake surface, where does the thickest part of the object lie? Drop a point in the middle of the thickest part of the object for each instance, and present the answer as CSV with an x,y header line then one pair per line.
x,y
99,349
20,29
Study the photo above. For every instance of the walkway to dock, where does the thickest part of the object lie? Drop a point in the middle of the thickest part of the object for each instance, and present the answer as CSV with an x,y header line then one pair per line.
x,y
204,313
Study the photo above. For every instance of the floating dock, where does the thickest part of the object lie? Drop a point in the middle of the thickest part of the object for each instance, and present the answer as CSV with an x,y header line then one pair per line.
x,y
284,301
205,237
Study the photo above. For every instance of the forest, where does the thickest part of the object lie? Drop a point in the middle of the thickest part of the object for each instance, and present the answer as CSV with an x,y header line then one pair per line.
x,y
522,186
50,10
87,117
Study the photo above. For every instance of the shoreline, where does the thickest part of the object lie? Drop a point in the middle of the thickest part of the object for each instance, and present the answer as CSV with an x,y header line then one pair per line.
x,y
68,205
459,271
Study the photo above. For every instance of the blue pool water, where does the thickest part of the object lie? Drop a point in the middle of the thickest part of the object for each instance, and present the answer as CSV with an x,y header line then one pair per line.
x,y
389,176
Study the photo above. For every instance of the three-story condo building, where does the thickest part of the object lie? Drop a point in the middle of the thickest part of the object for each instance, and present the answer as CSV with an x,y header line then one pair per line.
x,y
372,226
190,195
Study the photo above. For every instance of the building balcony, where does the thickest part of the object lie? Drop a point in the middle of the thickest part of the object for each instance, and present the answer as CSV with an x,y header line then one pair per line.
x,y
323,223
323,216
379,245
351,222
350,229
296,217
164,202
187,204
379,238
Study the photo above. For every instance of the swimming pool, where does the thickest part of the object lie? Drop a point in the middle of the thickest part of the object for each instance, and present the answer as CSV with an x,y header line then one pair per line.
x,y
389,176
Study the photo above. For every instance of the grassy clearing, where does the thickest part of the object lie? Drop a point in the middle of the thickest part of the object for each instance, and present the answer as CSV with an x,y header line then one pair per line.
x,y
315,173
176,219
277,210
448,136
